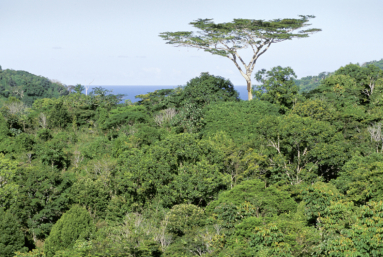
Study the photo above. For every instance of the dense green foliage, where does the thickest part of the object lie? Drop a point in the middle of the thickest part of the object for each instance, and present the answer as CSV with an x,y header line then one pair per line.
x,y
28,87
73,225
237,119
195,171
11,236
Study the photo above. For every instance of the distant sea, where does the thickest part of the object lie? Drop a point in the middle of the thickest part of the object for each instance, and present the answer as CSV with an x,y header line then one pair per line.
x,y
130,92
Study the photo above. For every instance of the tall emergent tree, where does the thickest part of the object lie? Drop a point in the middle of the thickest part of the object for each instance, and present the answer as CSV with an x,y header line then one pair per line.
x,y
225,39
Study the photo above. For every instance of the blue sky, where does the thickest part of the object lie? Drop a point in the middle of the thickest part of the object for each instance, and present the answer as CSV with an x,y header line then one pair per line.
x,y
116,42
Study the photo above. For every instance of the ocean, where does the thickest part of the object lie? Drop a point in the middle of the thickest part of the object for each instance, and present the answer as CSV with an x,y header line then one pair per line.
x,y
130,92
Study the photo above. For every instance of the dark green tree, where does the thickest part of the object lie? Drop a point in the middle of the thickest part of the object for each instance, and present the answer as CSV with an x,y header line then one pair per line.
x,y
44,134
225,39
43,195
11,237
59,116
51,153
23,143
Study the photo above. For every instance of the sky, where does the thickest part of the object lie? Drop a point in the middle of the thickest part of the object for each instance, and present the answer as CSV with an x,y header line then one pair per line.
x,y
116,42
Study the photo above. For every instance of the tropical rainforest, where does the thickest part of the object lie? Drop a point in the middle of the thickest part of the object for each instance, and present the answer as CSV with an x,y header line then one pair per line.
x,y
194,171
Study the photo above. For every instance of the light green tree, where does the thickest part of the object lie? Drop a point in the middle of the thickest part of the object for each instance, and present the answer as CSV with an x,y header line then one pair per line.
x,y
364,235
4,133
8,187
184,217
73,225
278,87
225,39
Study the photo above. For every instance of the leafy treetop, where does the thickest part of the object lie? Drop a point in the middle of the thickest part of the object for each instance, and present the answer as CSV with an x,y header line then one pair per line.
x,y
225,39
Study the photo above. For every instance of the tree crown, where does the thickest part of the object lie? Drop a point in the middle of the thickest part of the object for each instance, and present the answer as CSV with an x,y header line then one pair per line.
x,y
226,38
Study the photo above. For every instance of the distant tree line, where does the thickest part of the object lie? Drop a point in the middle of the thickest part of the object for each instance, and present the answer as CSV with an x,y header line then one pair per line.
x,y
309,83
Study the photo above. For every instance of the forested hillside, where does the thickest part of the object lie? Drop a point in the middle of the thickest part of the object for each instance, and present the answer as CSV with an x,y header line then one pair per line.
x,y
28,87
309,83
195,171
376,63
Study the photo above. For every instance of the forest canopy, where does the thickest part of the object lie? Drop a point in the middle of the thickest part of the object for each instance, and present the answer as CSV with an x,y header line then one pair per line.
x,y
195,171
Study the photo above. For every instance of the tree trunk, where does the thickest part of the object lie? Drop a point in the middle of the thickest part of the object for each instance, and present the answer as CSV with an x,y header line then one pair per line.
x,y
249,94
